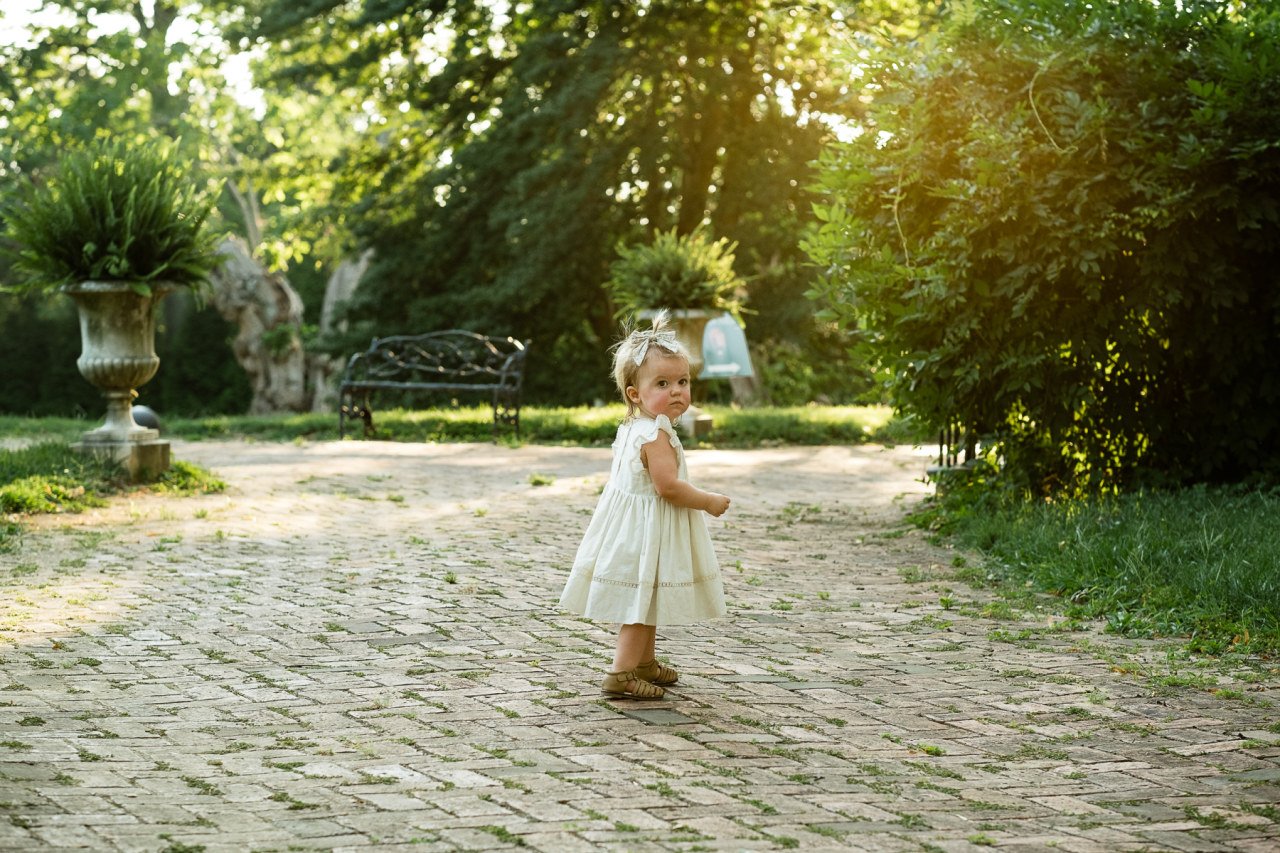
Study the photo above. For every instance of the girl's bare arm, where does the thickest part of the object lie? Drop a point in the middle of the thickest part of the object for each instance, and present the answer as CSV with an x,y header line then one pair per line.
x,y
660,458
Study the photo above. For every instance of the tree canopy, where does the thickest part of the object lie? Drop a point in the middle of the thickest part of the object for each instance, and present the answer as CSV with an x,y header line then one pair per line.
x,y
494,155
128,71
133,71
512,148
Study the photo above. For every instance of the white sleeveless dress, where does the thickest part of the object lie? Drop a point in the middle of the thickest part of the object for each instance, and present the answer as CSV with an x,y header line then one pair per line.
x,y
643,559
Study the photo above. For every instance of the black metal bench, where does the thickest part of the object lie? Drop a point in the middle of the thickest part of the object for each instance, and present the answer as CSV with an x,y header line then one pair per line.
x,y
453,361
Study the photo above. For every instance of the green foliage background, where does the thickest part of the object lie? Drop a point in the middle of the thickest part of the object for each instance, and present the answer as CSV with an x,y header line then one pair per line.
x,y
198,374
1061,230
495,189
493,156
74,82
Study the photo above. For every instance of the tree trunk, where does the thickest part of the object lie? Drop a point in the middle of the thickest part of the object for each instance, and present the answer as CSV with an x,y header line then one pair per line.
x,y
341,285
267,313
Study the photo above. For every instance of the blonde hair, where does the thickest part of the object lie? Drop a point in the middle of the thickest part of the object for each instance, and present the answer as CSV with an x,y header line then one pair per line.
x,y
660,336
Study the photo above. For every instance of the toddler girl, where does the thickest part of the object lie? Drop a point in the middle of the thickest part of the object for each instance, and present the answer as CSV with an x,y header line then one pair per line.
x,y
647,559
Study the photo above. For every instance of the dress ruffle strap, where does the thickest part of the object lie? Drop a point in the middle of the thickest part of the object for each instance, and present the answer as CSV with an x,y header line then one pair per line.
x,y
647,430
644,431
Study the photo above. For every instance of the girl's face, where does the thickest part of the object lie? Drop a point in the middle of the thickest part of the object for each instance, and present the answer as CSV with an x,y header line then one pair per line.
x,y
662,386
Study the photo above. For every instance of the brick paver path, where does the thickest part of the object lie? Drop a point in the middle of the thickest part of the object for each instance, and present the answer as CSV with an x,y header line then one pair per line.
x,y
356,647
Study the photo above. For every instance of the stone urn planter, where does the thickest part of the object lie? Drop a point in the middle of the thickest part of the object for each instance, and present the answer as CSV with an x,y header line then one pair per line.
x,y
118,355
691,275
689,324
115,226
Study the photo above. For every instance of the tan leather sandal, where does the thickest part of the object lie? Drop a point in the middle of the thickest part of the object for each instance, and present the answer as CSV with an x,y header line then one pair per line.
x,y
657,673
629,685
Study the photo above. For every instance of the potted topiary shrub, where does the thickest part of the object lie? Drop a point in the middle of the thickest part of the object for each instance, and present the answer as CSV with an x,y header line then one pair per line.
x,y
116,227
691,277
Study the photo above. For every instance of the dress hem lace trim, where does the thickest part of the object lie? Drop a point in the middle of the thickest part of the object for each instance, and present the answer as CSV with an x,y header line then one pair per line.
x,y
636,585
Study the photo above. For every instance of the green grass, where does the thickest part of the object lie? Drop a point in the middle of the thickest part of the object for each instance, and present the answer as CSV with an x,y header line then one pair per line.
x,y
596,426
589,426
186,479
51,477
1202,563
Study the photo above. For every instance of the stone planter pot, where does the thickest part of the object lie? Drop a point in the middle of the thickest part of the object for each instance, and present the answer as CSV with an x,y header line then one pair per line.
x,y
689,325
118,354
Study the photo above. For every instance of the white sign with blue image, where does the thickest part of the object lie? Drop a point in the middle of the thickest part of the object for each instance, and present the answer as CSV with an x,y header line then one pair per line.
x,y
724,349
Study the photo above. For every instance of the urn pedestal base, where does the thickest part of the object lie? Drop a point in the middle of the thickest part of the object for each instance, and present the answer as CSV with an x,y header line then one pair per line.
x,y
136,448
695,422
117,337
144,461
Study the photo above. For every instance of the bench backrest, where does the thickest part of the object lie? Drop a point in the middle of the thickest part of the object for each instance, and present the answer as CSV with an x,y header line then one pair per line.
x,y
448,357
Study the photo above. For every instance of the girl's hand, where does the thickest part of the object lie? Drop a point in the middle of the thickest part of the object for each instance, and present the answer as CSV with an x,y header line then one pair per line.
x,y
716,504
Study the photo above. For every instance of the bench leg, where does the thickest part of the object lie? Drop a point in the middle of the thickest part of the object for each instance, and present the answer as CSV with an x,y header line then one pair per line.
x,y
346,409
505,411
349,409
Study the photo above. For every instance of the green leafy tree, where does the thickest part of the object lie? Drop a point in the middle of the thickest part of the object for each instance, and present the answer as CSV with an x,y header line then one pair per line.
x,y
118,68
510,148
1060,230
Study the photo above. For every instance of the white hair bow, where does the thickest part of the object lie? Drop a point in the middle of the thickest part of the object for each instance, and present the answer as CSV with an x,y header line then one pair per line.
x,y
665,339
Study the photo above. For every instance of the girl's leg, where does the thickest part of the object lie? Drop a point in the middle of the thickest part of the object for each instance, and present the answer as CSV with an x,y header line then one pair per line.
x,y
650,670
650,649
634,643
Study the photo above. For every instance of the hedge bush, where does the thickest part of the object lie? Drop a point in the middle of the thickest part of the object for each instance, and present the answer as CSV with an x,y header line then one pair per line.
x,y
1060,228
